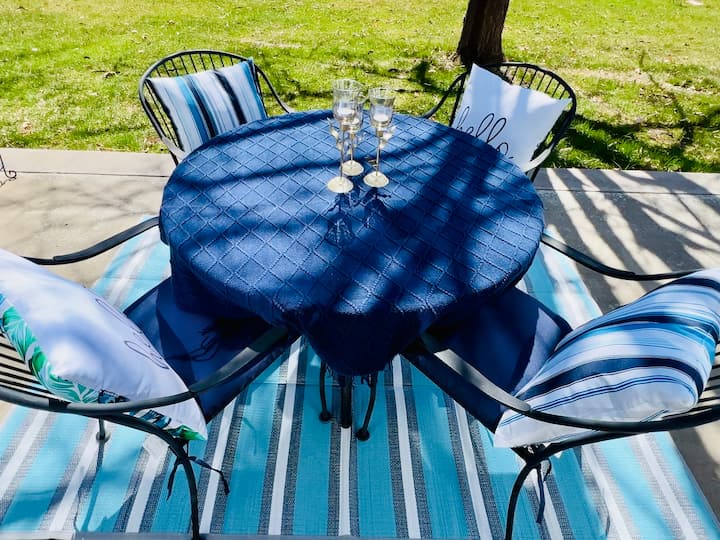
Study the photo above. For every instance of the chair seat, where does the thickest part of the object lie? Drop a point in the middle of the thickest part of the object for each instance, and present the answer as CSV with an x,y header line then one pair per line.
x,y
196,346
507,339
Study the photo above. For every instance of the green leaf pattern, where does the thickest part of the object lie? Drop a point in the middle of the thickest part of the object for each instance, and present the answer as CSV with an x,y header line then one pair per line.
x,y
14,327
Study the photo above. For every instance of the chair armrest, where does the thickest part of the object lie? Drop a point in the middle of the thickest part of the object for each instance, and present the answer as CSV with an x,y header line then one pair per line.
x,y
229,370
593,264
260,346
100,247
284,106
474,377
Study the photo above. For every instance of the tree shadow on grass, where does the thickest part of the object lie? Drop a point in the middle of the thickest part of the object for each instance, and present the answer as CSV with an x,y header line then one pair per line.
x,y
619,145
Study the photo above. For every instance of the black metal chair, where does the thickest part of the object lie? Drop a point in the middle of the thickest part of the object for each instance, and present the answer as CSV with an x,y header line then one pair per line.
x,y
178,64
215,359
543,80
528,76
191,62
487,359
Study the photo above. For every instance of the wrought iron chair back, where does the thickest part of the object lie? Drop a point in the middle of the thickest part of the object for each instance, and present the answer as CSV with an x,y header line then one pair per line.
x,y
189,62
543,80
528,76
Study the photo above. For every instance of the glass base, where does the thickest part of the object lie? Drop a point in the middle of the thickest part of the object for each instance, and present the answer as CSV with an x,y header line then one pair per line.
x,y
340,184
352,168
376,179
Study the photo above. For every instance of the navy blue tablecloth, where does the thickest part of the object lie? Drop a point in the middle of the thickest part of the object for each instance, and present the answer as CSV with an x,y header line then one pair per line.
x,y
252,228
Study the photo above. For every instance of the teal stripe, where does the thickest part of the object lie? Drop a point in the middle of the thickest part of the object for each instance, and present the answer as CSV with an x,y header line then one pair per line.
x,y
502,467
154,271
539,284
168,515
25,513
576,286
173,514
685,487
248,474
574,496
109,492
373,464
447,516
14,419
630,476
311,497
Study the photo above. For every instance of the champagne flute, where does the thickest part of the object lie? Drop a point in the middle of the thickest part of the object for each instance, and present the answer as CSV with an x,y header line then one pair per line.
x,y
381,113
352,167
346,93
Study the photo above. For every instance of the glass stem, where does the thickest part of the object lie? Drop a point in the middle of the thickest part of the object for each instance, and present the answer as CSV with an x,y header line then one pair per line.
x,y
377,156
342,152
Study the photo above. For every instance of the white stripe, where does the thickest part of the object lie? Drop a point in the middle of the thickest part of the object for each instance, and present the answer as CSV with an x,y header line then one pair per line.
x,y
150,472
20,455
225,419
406,470
478,502
283,451
344,483
617,520
72,490
131,269
116,294
668,495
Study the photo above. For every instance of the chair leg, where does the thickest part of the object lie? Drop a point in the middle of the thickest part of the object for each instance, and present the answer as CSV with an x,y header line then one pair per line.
x,y
325,414
176,446
512,504
363,434
184,460
102,434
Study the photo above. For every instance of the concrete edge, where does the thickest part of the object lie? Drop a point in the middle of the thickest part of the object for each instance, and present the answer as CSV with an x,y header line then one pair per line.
x,y
96,162
33,160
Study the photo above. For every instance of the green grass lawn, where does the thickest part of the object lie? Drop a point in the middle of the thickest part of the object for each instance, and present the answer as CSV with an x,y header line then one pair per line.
x,y
647,72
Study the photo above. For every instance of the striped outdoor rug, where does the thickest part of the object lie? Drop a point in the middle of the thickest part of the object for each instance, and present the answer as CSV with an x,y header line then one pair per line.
x,y
428,470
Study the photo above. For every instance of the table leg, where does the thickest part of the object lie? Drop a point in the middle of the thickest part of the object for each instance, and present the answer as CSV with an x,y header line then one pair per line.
x,y
325,414
363,434
345,401
345,384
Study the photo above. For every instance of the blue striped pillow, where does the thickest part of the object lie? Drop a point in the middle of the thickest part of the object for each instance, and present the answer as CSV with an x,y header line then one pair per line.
x,y
636,363
205,104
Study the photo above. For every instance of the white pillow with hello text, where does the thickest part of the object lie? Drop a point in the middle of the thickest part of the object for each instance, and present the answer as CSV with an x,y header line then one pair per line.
x,y
513,119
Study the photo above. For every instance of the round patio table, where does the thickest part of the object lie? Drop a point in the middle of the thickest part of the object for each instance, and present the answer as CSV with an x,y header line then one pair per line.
x,y
252,228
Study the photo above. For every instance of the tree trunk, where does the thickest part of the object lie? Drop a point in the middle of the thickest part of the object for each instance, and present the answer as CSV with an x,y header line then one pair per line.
x,y
481,37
